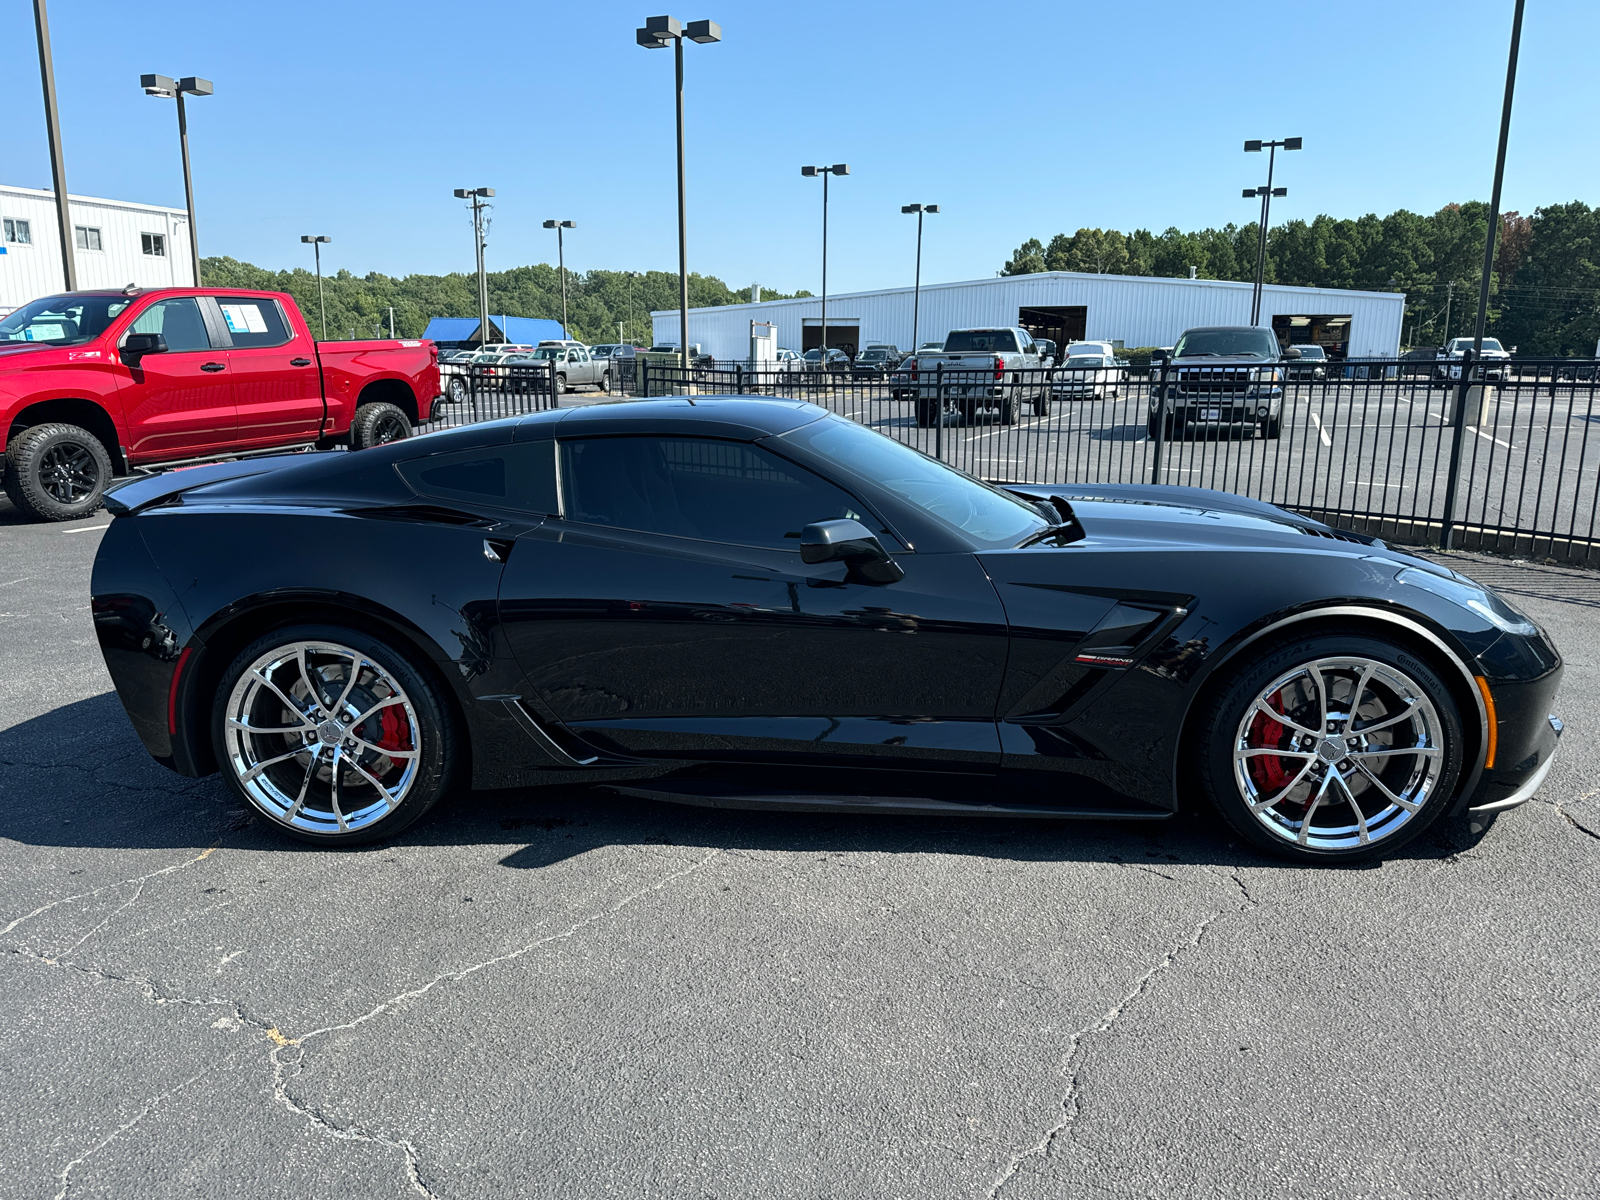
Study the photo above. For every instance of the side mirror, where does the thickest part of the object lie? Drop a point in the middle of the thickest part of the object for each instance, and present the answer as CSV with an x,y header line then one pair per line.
x,y
853,544
1158,356
1292,352
137,345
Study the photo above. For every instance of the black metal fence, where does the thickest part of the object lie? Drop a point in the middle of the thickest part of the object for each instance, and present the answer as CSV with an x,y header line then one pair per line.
x,y
473,392
1494,456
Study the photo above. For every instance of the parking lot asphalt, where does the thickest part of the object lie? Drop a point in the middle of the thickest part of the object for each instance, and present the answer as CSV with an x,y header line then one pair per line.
x,y
565,993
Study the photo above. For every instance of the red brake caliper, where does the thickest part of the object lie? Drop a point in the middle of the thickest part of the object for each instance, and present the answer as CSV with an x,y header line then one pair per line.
x,y
392,729
1265,733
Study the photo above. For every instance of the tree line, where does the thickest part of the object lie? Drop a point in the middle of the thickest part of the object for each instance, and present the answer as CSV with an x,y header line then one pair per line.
x,y
1545,288
599,303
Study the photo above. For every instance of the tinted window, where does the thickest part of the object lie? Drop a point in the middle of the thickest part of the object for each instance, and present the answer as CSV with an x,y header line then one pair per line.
x,y
522,477
64,320
697,488
253,322
177,320
982,341
985,514
1206,343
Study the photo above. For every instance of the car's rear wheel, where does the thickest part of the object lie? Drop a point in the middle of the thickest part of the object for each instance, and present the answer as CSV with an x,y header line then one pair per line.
x,y
457,390
333,736
1041,405
378,424
57,472
605,383
1331,748
561,385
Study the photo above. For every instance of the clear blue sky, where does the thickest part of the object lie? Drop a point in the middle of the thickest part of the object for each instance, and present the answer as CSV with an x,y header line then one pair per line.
x,y
1019,119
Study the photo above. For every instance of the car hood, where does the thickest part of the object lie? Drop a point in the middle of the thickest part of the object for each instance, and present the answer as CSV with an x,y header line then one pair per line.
x,y
1148,515
1226,360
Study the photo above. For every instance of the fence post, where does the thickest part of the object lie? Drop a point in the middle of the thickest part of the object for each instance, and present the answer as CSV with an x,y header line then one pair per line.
x,y
1457,444
555,396
938,411
738,372
1161,420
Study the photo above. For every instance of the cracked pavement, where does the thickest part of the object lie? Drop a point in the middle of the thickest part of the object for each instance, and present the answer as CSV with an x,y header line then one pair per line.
x,y
564,993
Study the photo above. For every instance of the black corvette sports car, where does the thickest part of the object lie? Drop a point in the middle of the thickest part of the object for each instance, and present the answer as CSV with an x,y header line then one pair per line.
x,y
741,602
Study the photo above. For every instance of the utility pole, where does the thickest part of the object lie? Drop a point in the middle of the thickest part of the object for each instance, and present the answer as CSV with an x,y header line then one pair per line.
x,y
916,291
1449,297
478,196
391,322
58,162
316,248
1266,194
812,173
561,255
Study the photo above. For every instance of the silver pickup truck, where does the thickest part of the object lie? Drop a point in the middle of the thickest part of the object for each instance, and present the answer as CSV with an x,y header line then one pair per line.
x,y
981,368
575,366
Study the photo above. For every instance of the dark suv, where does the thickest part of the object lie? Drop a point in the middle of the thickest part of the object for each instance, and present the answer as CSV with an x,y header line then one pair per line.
x,y
876,360
1222,376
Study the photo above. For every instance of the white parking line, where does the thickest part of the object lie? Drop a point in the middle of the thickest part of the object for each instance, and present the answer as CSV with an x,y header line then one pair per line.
x,y
1321,432
1476,430
86,528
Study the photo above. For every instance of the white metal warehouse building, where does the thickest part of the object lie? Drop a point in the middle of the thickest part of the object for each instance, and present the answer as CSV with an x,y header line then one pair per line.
x,y
1064,306
116,243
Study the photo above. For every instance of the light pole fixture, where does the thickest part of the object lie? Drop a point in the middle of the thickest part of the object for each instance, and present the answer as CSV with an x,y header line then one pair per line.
x,y
190,85
317,242
52,125
658,33
916,291
479,230
812,173
561,255
1266,193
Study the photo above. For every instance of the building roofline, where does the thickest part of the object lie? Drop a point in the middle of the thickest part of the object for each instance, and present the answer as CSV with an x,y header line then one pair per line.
x,y
133,205
1078,275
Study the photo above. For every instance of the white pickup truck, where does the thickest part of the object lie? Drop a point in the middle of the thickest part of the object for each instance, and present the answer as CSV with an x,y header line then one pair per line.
x,y
981,368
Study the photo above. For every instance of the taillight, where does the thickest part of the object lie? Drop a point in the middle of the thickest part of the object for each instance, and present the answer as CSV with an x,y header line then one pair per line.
x,y
999,367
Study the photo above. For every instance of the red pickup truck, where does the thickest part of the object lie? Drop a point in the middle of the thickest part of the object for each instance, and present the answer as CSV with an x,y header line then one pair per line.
x,y
94,384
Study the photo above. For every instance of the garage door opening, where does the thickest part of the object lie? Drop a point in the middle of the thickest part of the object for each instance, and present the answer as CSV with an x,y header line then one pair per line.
x,y
1331,332
1060,325
844,333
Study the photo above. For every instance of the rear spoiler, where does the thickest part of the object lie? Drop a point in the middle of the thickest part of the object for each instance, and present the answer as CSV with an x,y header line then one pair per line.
x,y
132,496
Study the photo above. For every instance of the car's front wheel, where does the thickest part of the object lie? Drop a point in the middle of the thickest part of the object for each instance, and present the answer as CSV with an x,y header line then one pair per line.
x,y
333,736
1337,747
56,472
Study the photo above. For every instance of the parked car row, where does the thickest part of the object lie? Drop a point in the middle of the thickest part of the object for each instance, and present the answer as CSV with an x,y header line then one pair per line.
x,y
575,365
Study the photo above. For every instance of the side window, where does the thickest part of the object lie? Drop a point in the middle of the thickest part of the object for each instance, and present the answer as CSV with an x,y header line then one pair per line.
x,y
177,320
518,477
253,322
697,488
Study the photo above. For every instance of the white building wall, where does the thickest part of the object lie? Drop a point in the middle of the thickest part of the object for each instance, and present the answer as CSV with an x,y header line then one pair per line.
x,y
30,271
1137,309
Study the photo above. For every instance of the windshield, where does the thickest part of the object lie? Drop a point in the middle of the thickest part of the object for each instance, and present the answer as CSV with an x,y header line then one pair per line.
x,y
1253,343
873,355
544,352
981,341
1311,352
985,514
1084,360
62,320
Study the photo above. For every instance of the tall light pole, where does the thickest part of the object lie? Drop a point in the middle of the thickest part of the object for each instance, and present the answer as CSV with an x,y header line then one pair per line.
x,y
916,292
479,229
317,241
52,124
190,85
812,173
561,255
657,33
1266,194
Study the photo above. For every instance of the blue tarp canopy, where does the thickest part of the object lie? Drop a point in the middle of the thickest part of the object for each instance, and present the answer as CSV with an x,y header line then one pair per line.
x,y
463,331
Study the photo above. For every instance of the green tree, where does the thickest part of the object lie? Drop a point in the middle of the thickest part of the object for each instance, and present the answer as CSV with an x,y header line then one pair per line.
x,y
1028,259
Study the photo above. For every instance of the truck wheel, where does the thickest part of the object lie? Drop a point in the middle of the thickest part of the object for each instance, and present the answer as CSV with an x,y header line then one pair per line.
x,y
927,413
57,472
377,425
561,385
1008,410
457,391
1270,427
1041,404
605,383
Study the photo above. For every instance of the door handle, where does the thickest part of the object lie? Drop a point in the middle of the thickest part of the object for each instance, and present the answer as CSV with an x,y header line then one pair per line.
x,y
213,366
299,362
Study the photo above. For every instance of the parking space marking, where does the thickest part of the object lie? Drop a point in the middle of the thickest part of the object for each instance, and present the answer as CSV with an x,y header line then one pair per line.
x,y
87,528
1321,432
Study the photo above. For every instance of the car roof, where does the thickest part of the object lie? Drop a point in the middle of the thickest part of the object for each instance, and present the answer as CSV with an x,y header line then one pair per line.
x,y
745,418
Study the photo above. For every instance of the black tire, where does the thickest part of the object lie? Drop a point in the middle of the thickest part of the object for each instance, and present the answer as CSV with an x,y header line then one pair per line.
x,y
927,413
457,391
605,383
1271,428
378,424
1008,410
1152,427
438,744
1041,404
1229,714
57,472
561,385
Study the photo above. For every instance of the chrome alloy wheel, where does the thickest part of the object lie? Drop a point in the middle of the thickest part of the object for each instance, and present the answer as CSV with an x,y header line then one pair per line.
x,y
1339,753
321,737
